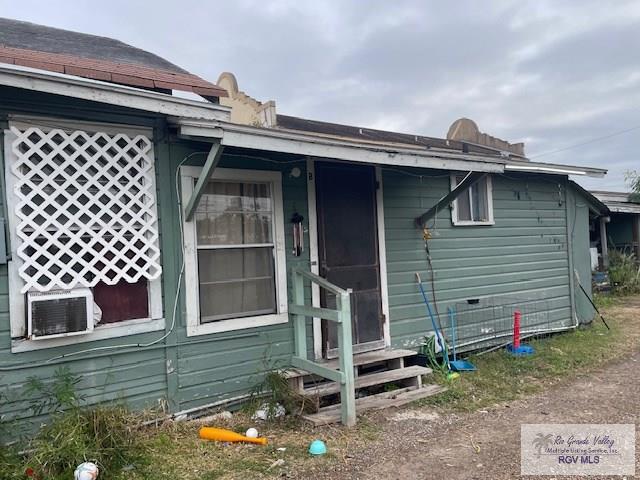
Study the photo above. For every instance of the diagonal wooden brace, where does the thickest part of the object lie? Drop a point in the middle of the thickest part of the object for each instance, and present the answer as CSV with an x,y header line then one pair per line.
x,y
213,158
471,179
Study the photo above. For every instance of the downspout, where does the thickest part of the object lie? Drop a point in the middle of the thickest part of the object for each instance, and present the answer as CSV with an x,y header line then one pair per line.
x,y
571,272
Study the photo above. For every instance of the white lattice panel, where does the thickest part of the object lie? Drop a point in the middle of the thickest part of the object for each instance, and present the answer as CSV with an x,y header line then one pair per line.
x,y
86,208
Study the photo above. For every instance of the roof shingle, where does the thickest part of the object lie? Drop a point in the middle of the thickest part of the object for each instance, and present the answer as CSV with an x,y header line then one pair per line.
x,y
91,56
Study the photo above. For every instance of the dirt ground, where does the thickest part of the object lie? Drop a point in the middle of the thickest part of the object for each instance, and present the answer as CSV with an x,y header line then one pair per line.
x,y
422,444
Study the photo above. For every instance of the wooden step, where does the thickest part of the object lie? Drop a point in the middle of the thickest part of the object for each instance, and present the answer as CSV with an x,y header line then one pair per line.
x,y
396,398
359,359
369,380
375,356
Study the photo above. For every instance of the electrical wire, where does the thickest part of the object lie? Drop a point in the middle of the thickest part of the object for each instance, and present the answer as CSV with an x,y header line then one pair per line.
x,y
588,142
432,282
416,175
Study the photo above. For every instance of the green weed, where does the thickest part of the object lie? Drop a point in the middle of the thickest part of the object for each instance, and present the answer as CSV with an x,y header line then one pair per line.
x,y
501,377
624,273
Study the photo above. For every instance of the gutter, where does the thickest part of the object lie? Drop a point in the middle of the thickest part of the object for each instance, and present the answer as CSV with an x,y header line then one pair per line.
x,y
557,169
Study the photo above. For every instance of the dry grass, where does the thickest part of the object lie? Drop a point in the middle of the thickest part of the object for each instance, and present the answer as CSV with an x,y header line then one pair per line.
x,y
174,450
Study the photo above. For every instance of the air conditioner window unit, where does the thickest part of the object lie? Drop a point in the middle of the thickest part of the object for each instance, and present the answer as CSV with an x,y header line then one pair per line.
x,y
59,313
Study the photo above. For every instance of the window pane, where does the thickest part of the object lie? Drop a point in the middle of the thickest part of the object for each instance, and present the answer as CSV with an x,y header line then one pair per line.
x,y
219,265
464,208
479,191
472,203
222,196
233,228
234,213
236,283
122,301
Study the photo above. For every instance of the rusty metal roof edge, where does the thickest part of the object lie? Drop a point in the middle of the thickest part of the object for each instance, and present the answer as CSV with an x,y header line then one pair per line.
x,y
300,135
109,93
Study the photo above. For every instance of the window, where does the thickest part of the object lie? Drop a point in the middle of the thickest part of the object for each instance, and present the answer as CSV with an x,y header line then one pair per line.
x,y
474,206
82,213
235,264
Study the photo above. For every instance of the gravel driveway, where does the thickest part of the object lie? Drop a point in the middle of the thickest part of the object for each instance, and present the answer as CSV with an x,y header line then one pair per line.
x,y
485,445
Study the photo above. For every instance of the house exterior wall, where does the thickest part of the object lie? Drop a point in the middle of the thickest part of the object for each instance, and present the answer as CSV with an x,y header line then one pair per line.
x,y
578,215
523,256
179,372
135,374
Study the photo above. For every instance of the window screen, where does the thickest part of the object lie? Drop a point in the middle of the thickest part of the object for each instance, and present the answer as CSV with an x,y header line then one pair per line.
x,y
234,231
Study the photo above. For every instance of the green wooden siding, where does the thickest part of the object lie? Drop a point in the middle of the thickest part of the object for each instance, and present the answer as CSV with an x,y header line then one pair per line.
x,y
524,255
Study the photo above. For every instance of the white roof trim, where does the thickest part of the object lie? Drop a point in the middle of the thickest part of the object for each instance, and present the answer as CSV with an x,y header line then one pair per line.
x,y
301,143
536,168
109,93
556,169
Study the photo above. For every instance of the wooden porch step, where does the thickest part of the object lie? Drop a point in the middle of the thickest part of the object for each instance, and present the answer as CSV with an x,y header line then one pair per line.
x,y
369,380
359,359
396,398
375,356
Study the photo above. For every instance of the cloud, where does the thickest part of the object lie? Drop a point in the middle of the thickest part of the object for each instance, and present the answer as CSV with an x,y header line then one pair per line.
x,y
553,74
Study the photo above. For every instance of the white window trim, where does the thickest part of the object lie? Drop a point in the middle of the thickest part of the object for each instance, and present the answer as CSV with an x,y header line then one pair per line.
x,y
17,308
194,327
454,206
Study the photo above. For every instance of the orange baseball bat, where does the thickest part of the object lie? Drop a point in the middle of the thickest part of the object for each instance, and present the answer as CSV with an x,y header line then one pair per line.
x,y
222,435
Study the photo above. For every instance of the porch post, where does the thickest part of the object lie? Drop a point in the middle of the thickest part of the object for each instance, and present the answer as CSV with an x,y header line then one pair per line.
x,y
636,235
603,242
345,351
299,320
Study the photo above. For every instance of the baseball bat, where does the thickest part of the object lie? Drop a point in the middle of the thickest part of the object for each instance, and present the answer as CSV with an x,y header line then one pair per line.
x,y
223,435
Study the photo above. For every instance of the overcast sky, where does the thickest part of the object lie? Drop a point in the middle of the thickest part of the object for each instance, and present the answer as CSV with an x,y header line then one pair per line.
x,y
549,73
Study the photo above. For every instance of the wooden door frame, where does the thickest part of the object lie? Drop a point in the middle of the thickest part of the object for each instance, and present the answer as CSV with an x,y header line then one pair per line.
x,y
314,256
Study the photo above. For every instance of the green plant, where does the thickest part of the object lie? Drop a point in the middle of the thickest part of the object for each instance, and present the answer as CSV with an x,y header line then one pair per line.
x,y
604,300
73,434
103,435
274,391
55,396
624,273
633,180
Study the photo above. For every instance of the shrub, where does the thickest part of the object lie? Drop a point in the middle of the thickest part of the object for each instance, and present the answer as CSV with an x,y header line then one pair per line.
x,y
103,434
624,273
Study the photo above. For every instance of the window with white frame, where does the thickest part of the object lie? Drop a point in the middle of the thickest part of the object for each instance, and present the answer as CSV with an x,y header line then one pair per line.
x,y
474,206
82,214
235,262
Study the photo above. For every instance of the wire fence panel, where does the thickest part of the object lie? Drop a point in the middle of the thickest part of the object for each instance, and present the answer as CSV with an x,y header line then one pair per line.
x,y
488,321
